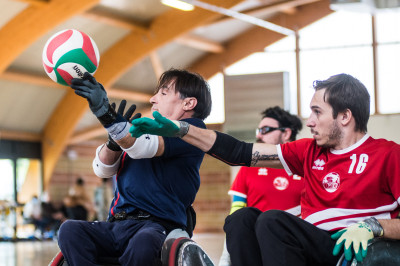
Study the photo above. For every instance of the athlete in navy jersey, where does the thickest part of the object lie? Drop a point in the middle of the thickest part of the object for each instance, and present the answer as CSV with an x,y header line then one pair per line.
x,y
171,179
157,178
352,193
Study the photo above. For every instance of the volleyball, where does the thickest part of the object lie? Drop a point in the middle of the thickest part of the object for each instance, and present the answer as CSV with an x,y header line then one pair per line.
x,y
69,54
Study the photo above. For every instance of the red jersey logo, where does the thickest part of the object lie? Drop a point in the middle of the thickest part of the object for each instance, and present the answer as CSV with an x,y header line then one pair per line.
x,y
331,182
281,183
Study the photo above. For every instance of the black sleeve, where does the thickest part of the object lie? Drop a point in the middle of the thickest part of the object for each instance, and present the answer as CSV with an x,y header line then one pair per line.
x,y
231,151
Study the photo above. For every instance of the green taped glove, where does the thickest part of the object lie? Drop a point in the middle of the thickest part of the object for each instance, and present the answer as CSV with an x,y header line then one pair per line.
x,y
160,126
355,238
352,237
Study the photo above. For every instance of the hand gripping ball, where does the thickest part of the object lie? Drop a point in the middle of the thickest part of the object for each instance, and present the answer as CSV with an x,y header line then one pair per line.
x,y
69,54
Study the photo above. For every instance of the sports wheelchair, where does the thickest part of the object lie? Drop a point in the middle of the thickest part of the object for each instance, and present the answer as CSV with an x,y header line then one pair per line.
x,y
381,252
178,249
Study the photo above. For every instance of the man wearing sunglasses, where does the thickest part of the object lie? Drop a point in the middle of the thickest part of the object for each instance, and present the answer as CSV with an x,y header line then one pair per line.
x,y
261,189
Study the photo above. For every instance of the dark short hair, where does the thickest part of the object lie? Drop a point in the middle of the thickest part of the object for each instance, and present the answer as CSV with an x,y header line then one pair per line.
x,y
189,84
285,119
80,181
343,92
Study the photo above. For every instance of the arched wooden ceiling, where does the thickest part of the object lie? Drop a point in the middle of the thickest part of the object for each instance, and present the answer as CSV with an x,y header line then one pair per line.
x,y
42,16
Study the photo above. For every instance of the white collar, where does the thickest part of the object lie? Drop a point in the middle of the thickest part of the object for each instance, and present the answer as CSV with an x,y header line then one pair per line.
x,y
352,147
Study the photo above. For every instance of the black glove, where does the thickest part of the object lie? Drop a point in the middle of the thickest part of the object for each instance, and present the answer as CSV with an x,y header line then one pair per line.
x,y
111,144
94,93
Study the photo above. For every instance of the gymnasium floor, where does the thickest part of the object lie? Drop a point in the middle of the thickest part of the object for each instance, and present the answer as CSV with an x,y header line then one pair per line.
x,y
40,253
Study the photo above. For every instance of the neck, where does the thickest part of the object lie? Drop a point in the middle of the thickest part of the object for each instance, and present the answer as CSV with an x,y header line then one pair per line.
x,y
349,140
187,114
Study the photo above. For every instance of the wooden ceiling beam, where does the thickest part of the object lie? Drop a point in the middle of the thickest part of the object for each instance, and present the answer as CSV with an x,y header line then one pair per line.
x,y
282,6
21,32
165,28
86,134
12,75
123,93
113,20
35,2
32,23
113,92
19,135
256,39
156,63
190,41
290,11
200,44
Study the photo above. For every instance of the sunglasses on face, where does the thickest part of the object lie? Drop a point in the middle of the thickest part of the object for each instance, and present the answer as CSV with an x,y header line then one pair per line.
x,y
267,129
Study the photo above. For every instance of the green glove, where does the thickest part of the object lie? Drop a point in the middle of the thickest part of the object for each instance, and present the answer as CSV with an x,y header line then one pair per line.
x,y
160,126
355,236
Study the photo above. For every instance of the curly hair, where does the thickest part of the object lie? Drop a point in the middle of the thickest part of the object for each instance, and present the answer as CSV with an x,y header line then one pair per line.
x,y
285,119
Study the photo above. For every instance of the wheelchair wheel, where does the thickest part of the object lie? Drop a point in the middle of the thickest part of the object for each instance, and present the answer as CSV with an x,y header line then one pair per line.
x,y
380,252
183,251
58,260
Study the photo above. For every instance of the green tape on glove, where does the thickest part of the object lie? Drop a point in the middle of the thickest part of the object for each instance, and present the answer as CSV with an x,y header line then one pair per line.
x,y
160,126
355,239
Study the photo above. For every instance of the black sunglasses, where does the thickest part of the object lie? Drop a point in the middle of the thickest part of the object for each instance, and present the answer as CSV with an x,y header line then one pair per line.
x,y
267,129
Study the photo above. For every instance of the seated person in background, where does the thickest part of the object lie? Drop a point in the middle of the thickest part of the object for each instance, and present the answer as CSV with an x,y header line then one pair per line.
x,y
52,217
103,196
32,213
43,215
264,188
157,178
77,203
352,184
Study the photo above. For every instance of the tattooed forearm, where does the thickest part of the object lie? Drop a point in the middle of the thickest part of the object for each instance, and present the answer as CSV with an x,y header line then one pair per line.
x,y
256,157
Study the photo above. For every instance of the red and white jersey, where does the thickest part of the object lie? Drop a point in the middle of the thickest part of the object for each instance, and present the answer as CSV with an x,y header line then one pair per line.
x,y
343,187
268,188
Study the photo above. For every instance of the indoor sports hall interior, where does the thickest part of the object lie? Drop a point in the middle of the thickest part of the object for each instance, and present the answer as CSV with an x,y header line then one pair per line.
x,y
253,53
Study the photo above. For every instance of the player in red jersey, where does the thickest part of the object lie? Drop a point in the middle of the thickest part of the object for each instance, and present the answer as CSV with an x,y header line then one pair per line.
x,y
265,188
352,185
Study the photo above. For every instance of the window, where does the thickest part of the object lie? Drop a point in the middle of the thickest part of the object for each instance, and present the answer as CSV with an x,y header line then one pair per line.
x,y
339,43
388,54
21,178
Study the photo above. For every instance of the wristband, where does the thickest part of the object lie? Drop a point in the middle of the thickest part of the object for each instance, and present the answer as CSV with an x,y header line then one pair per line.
x,y
375,226
183,129
236,205
109,117
112,145
119,128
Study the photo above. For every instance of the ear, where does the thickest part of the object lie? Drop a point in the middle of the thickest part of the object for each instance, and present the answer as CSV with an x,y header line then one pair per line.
x,y
286,135
345,117
189,103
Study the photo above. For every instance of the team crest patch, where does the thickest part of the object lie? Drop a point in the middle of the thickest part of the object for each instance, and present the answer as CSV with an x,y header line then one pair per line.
x,y
281,183
331,182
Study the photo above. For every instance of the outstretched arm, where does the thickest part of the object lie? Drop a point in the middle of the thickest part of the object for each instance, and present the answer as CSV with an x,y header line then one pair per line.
x,y
202,138
218,145
116,123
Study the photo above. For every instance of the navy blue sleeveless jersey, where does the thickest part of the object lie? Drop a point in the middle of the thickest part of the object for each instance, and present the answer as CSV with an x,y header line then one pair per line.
x,y
164,186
